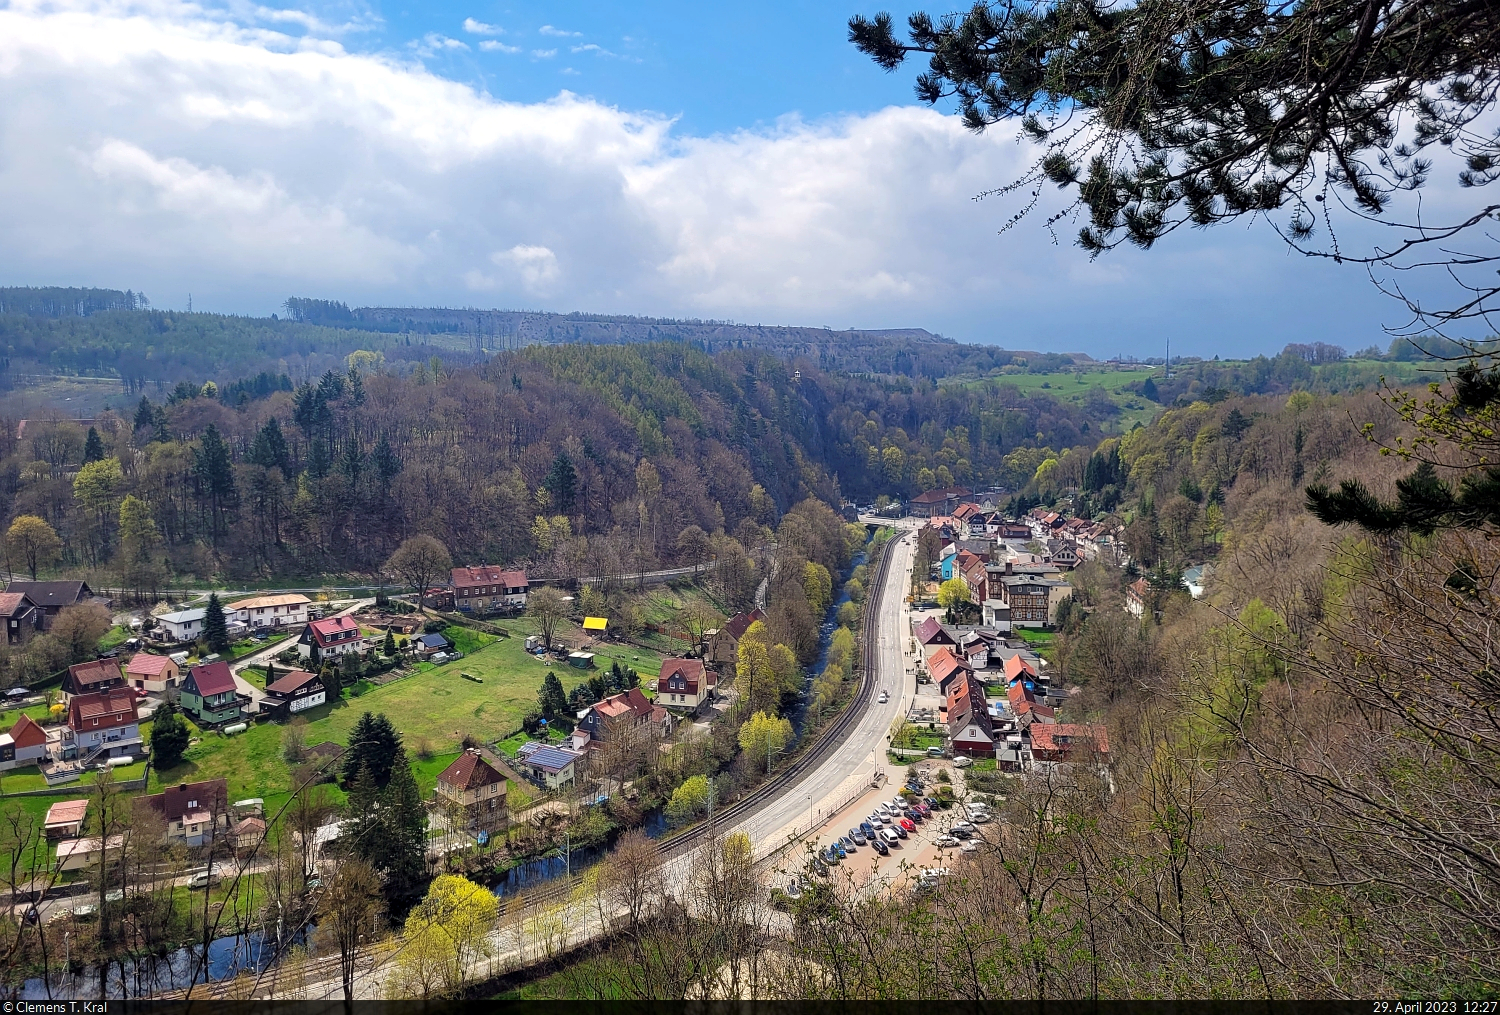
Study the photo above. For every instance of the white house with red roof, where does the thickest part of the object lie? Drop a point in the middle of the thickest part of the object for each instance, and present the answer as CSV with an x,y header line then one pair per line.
x,y
487,589
192,811
683,684
103,724
331,638
151,673
473,792
25,744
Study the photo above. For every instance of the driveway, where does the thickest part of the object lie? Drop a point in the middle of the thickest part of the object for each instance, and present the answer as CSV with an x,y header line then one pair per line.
x,y
270,651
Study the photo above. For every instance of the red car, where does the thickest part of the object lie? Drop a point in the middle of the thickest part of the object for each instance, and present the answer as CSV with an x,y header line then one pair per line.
x,y
908,824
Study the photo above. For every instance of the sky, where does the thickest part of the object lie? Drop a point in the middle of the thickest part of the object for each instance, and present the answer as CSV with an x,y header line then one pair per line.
x,y
676,159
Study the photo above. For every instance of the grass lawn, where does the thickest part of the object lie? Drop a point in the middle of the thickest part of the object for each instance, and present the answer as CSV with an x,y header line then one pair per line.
x,y
24,780
1038,640
37,713
435,706
114,637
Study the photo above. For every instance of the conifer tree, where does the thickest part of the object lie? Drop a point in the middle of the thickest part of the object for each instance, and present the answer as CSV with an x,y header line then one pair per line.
x,y
270,449
403,826
215,628
93,447
169,737
551,697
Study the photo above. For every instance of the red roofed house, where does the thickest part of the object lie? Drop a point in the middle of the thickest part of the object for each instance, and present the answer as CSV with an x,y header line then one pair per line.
x,y
154,673
937,502
85,678
331,638
970,728
193,811
944,666
22,618
1064,742
472,793
683,684
487,589
25,744
64,819
722,646
1023,705
102,725
619,720
929,632
209,694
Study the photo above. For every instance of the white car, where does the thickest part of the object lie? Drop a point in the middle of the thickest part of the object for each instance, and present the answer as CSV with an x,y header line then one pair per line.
x,y
945,841
890,837
962,761
969,846
884,697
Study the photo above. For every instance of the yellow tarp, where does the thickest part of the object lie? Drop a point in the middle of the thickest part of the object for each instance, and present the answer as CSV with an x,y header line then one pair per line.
x,y
595,623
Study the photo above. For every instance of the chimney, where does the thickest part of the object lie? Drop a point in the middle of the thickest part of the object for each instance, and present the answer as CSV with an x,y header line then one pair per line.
x,y
1008,567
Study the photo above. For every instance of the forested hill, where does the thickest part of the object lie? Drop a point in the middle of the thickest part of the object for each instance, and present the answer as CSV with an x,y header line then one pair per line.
x,y
914,352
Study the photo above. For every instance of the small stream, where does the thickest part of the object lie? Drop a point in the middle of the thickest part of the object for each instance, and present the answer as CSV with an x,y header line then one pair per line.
x,y
227,957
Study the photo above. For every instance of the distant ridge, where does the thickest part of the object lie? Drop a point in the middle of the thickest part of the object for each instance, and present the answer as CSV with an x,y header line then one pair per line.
x,y
62,301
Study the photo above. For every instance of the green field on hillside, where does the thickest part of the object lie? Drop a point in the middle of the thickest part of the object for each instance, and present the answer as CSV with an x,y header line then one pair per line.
x,y
1074,386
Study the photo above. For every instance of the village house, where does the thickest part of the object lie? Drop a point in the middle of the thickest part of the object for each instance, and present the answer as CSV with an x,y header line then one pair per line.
x,y
50,598
330,638
181,626
209,694
721,646
1062,743
473,793
1033,600
80,854
553,767
151,673
103,725
247,833
1137,595
970,729
293,692
931,634
259,612
25,744
995,615
937,502
193,812
96,675
944,666
683,684
1021,700
621,720
486,589
22,618
64,819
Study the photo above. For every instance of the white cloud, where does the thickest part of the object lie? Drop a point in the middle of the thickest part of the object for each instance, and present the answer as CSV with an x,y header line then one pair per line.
x,y
549,30
480,28
496,46
544,54
434,42
171,150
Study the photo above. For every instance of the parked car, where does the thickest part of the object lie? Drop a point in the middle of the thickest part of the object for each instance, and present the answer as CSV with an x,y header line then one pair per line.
x,y
857,837
830,856
838,847
908,825
969,846
201,880
868,827
934,752
819,867
981,817
945,841
962,761
893,836
962,829
876,821
880,846
923,808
